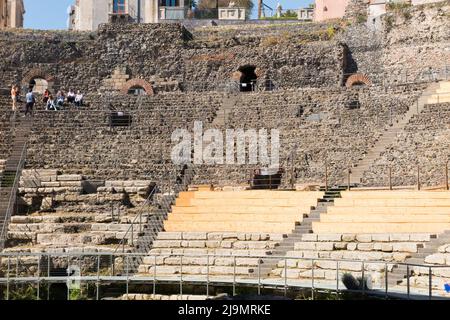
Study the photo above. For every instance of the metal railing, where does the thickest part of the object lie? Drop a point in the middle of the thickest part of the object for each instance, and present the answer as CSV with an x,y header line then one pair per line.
x,y
373,277
129,235
156,217
12,198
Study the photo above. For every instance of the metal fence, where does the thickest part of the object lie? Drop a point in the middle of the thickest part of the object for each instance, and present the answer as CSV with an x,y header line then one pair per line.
x,y
98,269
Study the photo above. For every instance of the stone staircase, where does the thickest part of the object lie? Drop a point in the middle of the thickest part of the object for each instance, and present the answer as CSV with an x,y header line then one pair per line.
x,y
400,271
22,129
229,102
430,95
155,221
304,228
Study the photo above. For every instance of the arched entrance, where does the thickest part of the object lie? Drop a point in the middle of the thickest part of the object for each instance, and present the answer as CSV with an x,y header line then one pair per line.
x,y
137,87
248,78
137,91
38,80
38,85
358,79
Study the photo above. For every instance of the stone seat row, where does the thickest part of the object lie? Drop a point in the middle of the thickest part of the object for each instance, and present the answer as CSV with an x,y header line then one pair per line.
x,y
387,212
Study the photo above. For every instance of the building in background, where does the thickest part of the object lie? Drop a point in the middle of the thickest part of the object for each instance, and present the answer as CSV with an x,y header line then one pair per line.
x,y
305,14
87,15
11,13
329,9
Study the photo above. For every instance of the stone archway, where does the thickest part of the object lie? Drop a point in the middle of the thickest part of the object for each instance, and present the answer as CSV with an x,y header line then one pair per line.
x,y
358,79
38,80
137,83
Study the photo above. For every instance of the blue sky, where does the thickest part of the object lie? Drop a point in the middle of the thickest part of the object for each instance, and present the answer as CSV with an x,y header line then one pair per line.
x,y
52,14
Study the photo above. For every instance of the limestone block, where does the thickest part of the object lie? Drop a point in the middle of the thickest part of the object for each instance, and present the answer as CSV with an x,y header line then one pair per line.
x,y
309,237
290,263
51,184
70,177
336,254
381,237
110,184
294,254
323,264
151,260
318,274
348,237
364,238
442,272
352,246
437,258
399,256
329,237
195,244
226,244
99,227
340,245
224,261
161,270
199,261
305,246
404,247
229,235
325,246
324,254
386,247
214,236
399,237
374,267
19,235
310,254
169,236
290,273
194,236
247,261
304,264
225,252
212,244
166,244
365,246
351,266
418,237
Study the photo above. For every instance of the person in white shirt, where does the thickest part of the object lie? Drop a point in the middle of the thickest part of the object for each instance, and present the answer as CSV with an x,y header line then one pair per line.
x,y
79,99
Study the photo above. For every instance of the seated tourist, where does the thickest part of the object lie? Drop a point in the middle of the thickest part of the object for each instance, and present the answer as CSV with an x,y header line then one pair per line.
x,y
71,96
60,98
51,104
79,99
45,96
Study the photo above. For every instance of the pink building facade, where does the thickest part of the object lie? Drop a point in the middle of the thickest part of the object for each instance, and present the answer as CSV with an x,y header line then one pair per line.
x,y
329,9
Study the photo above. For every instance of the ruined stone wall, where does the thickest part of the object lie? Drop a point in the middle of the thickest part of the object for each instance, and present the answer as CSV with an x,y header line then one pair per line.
x,y
317,127
163,51
424,143
411,42
83,142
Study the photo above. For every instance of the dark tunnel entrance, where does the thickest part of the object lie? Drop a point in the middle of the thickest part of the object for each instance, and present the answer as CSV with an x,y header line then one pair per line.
x,y
248,78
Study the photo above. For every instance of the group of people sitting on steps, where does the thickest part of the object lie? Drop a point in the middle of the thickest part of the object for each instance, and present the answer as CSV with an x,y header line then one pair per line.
x,y
56,103
50,102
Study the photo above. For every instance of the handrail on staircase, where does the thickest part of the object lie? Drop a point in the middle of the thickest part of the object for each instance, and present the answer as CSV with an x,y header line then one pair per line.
x,y
12,197
163,203
147,202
